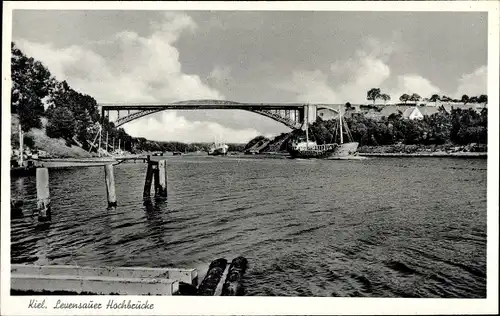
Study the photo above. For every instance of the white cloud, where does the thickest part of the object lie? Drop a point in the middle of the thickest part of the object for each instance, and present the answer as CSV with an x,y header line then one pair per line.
x,y
367,69
220,75
473,84
169,125
144,69
412,83
310,86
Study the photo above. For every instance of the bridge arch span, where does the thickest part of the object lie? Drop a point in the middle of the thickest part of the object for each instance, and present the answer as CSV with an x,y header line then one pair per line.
x,y
291,115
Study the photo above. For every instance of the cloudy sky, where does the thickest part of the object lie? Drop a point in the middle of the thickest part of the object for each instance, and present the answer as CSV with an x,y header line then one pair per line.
x,y
249,56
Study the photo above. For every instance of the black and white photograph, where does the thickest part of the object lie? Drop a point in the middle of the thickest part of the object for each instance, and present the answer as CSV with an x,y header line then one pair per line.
x,y
221,151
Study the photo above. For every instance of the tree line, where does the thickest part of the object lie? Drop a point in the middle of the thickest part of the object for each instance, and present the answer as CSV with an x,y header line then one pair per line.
x,y
375,94
71,115
36,94
458,126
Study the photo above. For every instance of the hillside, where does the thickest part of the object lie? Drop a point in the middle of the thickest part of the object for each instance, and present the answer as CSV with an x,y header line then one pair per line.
x,y
455,127
38,139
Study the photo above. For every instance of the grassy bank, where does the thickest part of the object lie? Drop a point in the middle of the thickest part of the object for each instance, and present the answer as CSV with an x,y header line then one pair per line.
x,y
425,149
55,147
428,154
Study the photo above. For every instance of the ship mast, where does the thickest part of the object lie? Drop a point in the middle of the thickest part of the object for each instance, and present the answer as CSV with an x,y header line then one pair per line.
x,y
100,135
307,127
21,145
340,118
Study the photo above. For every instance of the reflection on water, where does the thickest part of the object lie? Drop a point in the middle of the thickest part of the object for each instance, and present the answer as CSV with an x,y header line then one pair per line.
x,y
379,227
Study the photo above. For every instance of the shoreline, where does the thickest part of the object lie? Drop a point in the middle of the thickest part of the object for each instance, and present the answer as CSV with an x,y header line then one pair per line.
x,y
429,154
367,155
30,170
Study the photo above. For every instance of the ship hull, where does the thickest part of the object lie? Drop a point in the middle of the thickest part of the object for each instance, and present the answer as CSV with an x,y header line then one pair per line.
x,y
342,150
218,152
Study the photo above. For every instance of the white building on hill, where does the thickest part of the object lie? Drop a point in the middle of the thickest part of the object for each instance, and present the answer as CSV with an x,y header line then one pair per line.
x,y
413,113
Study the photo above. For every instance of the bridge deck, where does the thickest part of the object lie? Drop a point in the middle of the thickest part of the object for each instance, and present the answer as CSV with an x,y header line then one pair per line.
x,y
201,106
211,104
280,112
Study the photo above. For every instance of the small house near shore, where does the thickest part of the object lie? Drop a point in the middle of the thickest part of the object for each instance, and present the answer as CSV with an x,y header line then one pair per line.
x,y
412,113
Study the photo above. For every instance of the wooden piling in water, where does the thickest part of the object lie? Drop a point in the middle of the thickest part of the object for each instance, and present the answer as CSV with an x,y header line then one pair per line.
x,y
156,178
232,286
161,176
110,185
147,183
43,194
213,277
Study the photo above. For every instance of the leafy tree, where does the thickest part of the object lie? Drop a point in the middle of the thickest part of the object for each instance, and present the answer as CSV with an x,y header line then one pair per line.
x,y
404,98
415,97
28,141
434,98
483,98
445,98
395,116
474,99
458,127
320,132
61,123
31,83
465,99
373,94
385,97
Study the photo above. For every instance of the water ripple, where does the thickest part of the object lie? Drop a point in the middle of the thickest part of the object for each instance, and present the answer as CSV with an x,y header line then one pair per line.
x,y
308,227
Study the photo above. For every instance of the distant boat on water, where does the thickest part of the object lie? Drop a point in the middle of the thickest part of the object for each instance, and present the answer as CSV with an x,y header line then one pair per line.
x,y
310,149
218,149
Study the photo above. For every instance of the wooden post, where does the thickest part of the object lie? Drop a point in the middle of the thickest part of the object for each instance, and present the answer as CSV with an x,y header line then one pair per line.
x,y
161,174
110,185
212,278
147,184
43,194
156,177
232,286
21,145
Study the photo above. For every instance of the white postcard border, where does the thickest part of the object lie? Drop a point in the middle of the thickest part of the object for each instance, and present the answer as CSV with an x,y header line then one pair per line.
x,y
179,305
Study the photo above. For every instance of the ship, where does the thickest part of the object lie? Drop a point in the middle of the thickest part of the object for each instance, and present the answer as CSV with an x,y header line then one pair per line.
x,y
218,149
304,148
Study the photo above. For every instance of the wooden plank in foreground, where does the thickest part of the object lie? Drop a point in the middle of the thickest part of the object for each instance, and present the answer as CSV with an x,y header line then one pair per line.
x,y
92,284
75,162
189,276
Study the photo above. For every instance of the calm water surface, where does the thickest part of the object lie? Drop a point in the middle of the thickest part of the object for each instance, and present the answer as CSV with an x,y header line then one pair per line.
x,y
379,227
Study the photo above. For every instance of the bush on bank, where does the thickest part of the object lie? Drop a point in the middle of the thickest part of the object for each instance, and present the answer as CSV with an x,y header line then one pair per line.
x,y
458,127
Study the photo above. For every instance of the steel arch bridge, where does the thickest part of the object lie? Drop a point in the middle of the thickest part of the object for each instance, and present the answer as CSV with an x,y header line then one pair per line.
x,y
292,115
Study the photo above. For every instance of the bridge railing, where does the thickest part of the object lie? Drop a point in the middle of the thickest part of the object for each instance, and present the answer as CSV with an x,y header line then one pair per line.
x,y
271,113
